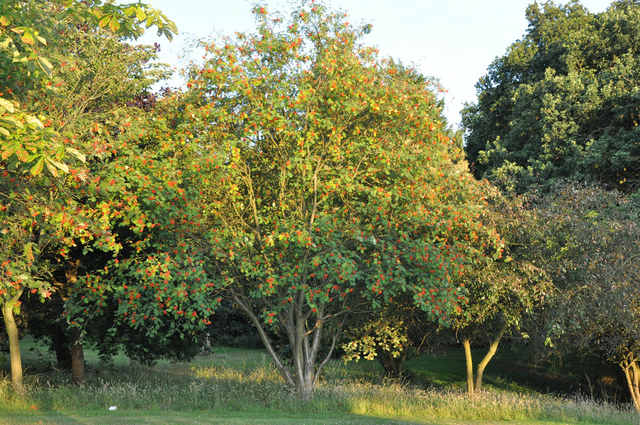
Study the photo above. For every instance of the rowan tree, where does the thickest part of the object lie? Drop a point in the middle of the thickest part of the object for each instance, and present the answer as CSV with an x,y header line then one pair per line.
x,y
329,181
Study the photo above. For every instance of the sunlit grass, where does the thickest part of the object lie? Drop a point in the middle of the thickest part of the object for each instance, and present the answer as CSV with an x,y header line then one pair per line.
x,y
234,380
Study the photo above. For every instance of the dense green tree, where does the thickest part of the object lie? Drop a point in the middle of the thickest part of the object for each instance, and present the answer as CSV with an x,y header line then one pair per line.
x,y
154,290
329,182
562,102
590,246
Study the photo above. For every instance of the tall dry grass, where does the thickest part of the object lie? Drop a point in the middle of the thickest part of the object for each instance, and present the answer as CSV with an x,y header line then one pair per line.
x,y
261,387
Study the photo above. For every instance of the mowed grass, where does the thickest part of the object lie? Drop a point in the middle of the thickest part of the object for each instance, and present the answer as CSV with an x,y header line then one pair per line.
x,y
241,386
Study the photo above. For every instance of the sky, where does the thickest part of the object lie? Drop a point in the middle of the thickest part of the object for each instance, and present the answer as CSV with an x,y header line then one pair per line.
x,y
454,41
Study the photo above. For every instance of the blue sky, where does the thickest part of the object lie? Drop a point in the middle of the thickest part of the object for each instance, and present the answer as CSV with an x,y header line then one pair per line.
x,y
452,40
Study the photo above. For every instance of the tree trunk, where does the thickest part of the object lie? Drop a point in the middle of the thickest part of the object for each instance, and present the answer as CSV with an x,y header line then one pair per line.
x,y
485,361
246,307
14,344
206,347
466,343
77,356
304,343
60,345
475,386
632,373
304,350
77,350
392,365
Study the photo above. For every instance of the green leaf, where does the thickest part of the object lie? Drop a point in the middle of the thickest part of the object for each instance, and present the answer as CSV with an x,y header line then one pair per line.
x,y
45,65
4,43
171,26
37,168
167,34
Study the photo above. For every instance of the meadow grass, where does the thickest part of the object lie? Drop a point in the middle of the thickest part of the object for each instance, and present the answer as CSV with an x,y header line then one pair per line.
x,y
243,385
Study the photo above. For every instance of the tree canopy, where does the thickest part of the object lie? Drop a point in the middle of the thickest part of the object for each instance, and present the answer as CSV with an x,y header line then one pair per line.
x,y
49,108
562,102
590,248
29,31
330,183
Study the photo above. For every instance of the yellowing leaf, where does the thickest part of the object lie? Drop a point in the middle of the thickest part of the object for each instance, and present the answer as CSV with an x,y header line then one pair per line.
x,y
10,151
7,105
27,37
33,121
45,65
11,120
114,24
79,155
52,169
59,165
37,168
22,154
140,15
104,21
129,10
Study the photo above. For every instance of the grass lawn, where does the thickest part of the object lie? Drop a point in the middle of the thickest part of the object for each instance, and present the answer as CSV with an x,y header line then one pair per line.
x,y
232,418
238,386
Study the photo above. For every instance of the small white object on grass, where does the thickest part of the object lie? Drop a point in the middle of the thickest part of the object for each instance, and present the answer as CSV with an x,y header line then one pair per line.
x,y
113,408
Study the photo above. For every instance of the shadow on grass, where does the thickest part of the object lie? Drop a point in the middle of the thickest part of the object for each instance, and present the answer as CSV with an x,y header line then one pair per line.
x,y
517,369
141,417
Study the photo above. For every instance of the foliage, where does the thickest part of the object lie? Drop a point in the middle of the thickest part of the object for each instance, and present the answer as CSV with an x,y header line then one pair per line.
x,y
29,32
591,243
392,334
45,115
562,102
501,294
156,280
330,181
